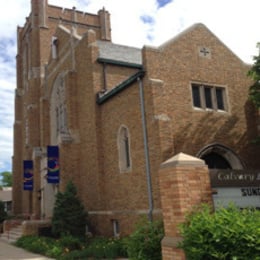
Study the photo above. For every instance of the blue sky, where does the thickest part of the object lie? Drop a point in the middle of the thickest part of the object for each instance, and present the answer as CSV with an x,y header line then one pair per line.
x,y
162,3
134,23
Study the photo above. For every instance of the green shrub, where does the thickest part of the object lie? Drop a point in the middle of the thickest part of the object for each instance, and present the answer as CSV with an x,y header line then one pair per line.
x,y
145,242
107,248
35,244
77,254
228,233
49,246
70,243
69,216
115,248
54,252
3,214
98,248
68,247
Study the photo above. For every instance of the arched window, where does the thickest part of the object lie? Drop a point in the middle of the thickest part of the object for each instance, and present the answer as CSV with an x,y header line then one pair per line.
x,y
123,143
58,113
54,47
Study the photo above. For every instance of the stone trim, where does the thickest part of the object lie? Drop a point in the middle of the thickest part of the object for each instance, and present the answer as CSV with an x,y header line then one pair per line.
x,y
162,117
124,212
182,159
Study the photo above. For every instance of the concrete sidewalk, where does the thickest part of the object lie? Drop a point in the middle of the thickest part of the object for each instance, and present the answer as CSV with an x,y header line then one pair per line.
x,y
10,252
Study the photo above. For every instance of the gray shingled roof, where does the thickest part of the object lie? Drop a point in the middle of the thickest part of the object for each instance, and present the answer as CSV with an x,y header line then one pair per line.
x,y
111,51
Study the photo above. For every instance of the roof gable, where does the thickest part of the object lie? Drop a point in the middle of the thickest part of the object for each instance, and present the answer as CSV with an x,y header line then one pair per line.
x,y
196,29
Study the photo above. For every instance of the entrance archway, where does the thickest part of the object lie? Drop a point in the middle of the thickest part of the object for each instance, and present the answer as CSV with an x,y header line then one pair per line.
x,y
218,156
216,161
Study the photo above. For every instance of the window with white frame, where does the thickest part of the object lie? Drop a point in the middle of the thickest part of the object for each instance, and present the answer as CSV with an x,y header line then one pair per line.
x,y
123,143
209,97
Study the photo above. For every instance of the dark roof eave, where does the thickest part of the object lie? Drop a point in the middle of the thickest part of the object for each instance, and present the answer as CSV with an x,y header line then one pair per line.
x,y
120,63
120,87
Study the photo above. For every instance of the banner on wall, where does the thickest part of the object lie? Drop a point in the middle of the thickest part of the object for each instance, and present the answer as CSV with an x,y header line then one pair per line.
x,y
53,174
28,175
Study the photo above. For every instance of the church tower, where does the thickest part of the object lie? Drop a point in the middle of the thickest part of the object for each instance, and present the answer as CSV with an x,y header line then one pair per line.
x,y
31,133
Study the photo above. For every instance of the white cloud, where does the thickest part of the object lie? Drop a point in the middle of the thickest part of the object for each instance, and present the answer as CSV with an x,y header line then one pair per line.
x,y
235,22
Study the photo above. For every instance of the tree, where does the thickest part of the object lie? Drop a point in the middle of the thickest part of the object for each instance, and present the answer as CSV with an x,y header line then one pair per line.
x,y
7,180
254,91
69,215
254,73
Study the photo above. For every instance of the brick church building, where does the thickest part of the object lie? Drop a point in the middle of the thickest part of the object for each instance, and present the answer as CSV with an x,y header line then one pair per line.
x,y
105,116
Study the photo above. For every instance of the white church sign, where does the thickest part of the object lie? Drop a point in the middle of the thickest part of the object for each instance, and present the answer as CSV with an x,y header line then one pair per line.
x,y
241,187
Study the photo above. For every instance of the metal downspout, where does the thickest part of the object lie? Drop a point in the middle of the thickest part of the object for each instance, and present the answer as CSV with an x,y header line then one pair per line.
x,y
146,151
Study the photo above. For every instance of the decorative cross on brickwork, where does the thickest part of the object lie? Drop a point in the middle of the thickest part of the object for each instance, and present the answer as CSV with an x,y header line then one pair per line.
x,y
204,52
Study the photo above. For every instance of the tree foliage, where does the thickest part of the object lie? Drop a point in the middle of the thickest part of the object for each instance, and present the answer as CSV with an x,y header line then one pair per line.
x,y
7,180
69,215
254,91
254,73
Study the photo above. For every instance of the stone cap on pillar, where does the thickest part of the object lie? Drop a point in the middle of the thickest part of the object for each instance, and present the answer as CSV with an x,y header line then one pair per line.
x,y
182,159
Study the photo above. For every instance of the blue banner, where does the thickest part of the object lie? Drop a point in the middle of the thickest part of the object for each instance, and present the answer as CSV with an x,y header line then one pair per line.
x,y
28,175
53,175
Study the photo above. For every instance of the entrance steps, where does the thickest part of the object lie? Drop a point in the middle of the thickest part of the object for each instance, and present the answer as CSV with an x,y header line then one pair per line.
x,y
13,234
14,229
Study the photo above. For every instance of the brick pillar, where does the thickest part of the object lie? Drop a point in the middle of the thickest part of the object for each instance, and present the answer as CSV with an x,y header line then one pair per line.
x,y
184,182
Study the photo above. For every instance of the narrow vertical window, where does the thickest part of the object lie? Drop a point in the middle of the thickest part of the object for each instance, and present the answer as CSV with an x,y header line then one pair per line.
x,y
196,96
54,47
208,98
124,149
116,230
220,98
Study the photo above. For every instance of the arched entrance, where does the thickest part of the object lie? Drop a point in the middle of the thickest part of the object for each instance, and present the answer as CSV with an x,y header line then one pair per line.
x,y
217,156
216,161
